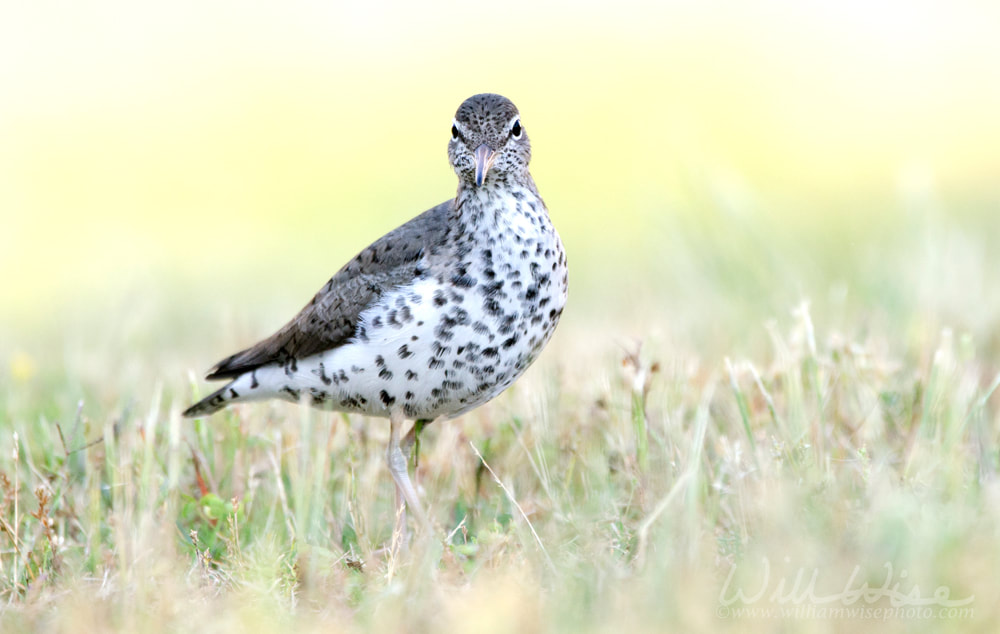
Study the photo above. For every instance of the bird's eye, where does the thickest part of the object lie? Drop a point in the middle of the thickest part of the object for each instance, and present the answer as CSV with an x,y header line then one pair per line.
x,y
516,130
454,131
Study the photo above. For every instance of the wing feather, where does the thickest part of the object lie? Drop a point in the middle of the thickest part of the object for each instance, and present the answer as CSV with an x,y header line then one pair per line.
x,y
330,319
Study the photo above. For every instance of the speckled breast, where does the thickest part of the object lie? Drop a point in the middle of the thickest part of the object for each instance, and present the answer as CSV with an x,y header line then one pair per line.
x,y
457,336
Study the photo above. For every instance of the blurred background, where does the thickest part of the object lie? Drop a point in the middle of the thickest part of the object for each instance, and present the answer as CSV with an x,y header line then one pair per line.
x,y
177,180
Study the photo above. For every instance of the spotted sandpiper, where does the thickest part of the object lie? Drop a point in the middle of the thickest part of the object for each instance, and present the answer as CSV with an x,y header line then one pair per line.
x,y
434,318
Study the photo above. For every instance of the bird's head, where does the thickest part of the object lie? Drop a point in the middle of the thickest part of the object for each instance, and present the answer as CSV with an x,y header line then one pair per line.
x,y
488,142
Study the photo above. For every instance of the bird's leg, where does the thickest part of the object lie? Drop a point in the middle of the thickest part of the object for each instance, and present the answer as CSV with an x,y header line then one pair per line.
x,y
411,442
398,468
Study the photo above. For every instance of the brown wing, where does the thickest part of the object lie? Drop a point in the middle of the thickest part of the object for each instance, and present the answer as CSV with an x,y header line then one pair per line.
x,y
330,319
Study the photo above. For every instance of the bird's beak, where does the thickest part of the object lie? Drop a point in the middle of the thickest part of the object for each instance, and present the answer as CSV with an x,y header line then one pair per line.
x,y
484,160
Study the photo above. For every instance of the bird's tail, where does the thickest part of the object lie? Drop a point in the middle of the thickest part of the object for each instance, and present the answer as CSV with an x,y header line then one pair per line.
x,y
213,402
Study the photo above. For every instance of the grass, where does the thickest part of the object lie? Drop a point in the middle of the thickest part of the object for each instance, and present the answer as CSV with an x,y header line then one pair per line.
x,y
714,454
775,382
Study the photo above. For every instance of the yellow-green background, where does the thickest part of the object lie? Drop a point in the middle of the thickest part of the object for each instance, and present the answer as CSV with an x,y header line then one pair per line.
x,y
792,204
231,151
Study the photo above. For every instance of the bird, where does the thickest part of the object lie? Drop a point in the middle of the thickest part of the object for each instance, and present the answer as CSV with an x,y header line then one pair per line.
x,y
434,318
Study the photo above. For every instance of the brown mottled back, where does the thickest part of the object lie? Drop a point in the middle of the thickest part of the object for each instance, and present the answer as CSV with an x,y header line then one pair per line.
x,y
330,319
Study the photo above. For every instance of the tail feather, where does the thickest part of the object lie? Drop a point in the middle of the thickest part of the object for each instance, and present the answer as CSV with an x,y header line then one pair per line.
x,y
212,403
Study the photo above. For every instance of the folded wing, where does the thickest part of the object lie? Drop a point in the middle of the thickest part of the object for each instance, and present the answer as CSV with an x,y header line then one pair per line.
x,y
331,318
